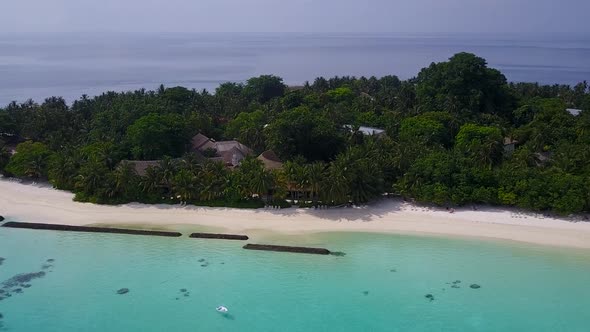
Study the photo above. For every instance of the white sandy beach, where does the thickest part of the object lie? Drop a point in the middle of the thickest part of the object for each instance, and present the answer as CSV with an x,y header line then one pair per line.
x,y
39,203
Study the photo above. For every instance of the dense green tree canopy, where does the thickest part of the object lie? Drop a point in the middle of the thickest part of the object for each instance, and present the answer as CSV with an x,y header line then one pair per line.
x,y
30,160
7,124
264,88
248,128
442,143
423,131
338,95
4,157
303,132
154,136
481,145
464,84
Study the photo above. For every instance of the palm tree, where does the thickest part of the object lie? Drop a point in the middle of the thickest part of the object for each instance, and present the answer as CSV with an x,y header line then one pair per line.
x,y
296,176
279,190
167,169
362,186
125,178
365,175
191,163
4,157
92,177
151,181
236,188
486,152
315,174
334,187
108,153
355,175
35,167
261,183
184,185
213,178
355,137
62,169
289,171
253,137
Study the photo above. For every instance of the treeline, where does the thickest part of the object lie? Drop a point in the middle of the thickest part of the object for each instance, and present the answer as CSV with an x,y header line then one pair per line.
x,y
444,143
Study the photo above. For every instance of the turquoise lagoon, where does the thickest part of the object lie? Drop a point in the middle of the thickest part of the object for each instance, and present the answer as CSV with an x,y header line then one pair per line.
x,y
379,285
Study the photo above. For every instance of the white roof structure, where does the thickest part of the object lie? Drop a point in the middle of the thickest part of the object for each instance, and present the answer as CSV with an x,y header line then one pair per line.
x,y
573,111
368,131
371,131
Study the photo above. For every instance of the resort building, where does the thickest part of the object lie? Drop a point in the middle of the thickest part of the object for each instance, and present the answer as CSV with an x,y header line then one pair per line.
x,y
543,158
509,145
141,166
230,153
270,160
367,131
573,111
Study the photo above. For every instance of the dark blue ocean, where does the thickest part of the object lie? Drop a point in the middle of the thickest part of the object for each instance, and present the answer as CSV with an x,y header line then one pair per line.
x,y
69,65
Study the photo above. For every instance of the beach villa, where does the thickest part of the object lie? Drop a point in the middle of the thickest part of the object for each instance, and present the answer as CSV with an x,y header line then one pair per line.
x,y
230,153
270,160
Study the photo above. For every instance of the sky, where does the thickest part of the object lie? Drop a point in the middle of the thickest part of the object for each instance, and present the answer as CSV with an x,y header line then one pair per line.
x,y
320,16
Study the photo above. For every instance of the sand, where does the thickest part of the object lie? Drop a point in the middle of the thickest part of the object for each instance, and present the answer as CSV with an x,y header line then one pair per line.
x,y
40,203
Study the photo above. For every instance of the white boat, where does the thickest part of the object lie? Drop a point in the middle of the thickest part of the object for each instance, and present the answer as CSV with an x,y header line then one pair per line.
x,y
222,309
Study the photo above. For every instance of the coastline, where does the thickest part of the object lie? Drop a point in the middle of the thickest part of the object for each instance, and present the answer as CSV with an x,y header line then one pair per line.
x,y
40,203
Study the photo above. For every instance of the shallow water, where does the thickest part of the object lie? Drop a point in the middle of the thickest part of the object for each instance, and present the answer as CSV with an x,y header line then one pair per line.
x,y
379,285
69,65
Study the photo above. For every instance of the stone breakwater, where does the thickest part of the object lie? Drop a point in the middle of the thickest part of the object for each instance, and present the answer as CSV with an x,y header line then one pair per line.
x,y
218,236
302,250
89,229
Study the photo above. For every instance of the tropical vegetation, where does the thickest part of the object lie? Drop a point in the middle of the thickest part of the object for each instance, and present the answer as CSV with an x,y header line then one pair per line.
x,y
449,134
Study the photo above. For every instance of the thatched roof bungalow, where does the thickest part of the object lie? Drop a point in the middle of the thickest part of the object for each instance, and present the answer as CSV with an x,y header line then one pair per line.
x,y
141,166
230,153
270,160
